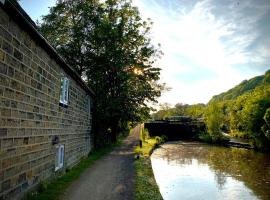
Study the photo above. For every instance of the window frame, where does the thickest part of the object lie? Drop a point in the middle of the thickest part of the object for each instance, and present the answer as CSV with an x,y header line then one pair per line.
x,y
64,90
59,157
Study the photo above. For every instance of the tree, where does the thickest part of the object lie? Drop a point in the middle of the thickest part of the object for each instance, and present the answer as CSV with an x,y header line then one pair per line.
x,y
214,119
164,111
266,126
109,45
195,110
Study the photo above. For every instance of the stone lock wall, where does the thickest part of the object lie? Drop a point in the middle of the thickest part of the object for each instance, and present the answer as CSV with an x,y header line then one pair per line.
x,y
30,114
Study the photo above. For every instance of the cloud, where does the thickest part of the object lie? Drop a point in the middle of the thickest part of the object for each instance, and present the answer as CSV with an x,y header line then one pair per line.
x,y
227,39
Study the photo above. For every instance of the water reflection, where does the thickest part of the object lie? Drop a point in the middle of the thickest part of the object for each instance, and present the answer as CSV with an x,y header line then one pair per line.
x,y
190,170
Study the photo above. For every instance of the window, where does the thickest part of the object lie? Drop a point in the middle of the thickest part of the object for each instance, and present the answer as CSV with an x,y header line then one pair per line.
x,y
64,92
59,157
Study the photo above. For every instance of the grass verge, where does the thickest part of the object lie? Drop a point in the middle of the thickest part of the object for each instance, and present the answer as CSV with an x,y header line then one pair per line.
x,y
52,190
146,187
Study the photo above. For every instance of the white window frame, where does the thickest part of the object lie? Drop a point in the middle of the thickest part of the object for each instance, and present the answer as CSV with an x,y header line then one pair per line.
x,y
59,157
64,90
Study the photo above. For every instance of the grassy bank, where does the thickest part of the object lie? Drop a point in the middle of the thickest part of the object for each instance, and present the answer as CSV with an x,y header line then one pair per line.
x,y
53,189
145,184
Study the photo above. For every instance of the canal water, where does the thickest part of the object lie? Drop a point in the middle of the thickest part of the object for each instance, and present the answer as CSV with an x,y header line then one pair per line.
x,y
197,171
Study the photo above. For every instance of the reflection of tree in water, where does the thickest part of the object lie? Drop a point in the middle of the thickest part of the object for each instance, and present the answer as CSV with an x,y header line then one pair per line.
x,y
221,179
248,166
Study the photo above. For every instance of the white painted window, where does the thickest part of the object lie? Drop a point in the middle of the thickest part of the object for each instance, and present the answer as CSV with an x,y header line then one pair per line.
x,y
64,92
59,157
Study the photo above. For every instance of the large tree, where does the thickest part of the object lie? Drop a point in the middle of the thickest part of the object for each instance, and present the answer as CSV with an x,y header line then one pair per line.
x,y
109,45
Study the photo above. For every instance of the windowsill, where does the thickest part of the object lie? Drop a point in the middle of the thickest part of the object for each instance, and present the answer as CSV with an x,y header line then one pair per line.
x,y
63,105
58,168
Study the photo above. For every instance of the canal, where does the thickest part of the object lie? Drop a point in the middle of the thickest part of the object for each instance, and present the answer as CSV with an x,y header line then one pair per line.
x,y
193,170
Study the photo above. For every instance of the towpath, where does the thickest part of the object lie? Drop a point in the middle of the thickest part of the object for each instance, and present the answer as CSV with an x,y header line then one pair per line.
x,y
110,178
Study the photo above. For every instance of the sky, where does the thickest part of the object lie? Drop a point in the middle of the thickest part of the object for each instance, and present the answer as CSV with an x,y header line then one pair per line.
x,y
209,46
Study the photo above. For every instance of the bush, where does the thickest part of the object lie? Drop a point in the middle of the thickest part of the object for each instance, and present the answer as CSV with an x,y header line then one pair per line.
x,y
205,137
214,118
158,139
164,138
145,134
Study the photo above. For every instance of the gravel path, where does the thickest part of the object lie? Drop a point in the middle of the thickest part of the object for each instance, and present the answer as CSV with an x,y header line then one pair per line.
x,y
111,177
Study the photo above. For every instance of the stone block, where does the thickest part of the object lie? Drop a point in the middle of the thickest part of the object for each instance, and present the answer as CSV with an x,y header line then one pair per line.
x,y
13,104
3,122
18,142
17,54
5,112
30,72
9,172
38,77
10,72
26,40
13,122
3,132
12,132
6,143
22,178
6,185
4,102
4,18
14,29
2,56
30,115
9,93
19,76
12,61
15,85
22,114
23,89
16,43
26,60
24,68
3,68
6,35
26,51
7,47
27,80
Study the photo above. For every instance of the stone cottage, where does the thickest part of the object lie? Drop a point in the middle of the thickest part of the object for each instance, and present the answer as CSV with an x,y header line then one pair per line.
x,y
45,107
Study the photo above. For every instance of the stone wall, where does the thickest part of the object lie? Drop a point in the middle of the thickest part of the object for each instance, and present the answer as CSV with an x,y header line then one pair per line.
x,y
30,113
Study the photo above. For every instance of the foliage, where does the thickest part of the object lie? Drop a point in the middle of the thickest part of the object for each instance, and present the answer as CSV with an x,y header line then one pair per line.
x,y
213,119
246,114
244,87
144,135
110,47
146,187
266,126
164,138
165,111
205,137
243,111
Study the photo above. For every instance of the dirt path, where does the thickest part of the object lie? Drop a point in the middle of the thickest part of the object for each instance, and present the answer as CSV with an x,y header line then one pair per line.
x,y
111,177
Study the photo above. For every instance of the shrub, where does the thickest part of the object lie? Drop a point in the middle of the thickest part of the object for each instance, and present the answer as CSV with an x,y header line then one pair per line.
x,y
205,137
145,134
214,118
164,138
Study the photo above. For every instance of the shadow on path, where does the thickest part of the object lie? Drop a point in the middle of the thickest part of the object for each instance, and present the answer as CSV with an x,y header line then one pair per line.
x,y
112,177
